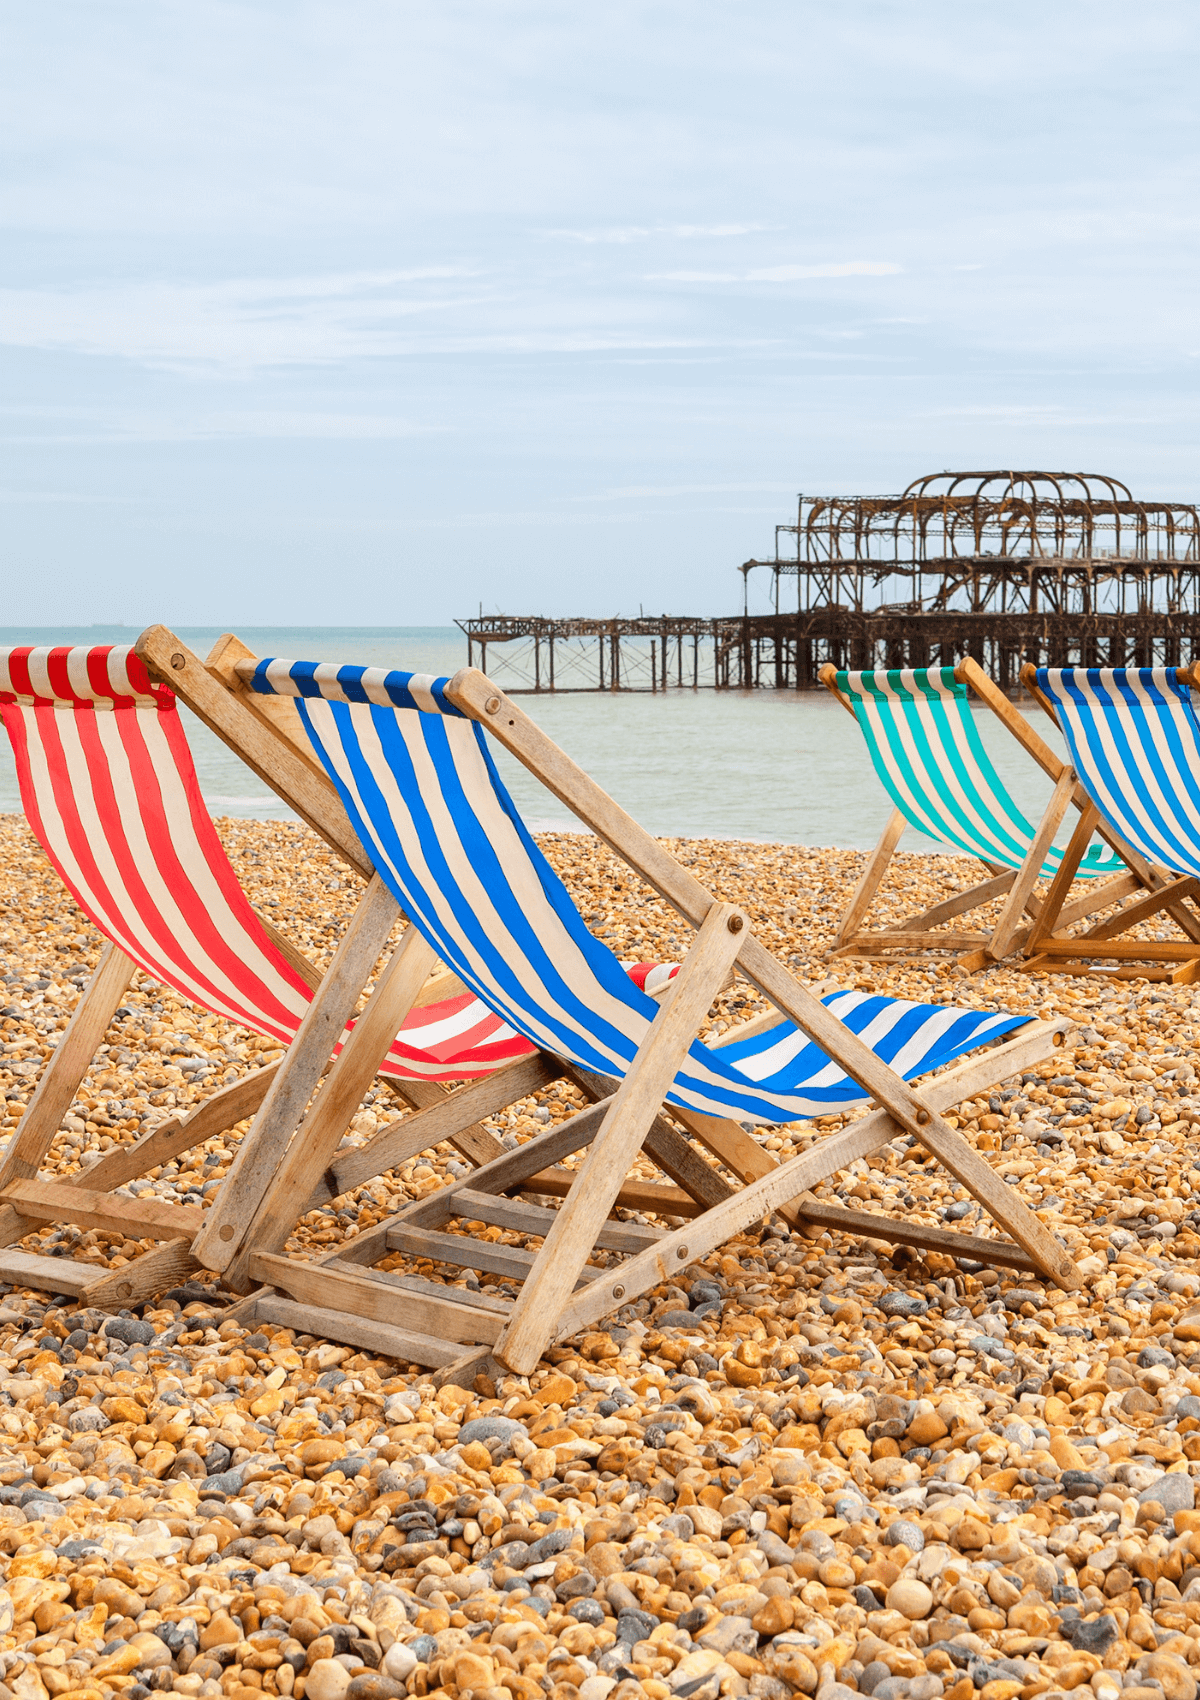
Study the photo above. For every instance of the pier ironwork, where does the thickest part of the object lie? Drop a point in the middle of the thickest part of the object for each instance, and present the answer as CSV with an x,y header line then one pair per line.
x,y
1051,567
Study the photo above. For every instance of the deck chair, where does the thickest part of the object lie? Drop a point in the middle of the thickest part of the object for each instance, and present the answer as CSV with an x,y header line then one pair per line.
x,y
409,758
926,749
1134,739
110,791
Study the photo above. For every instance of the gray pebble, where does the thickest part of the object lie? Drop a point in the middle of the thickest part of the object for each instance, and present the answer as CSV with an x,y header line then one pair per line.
x,y
902,1304
1173,1491
490,1428
129,1331
902,1531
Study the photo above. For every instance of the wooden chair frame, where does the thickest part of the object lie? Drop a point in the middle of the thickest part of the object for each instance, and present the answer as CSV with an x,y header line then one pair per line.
x,y
89,1198
1027,915
280,1177
1052,947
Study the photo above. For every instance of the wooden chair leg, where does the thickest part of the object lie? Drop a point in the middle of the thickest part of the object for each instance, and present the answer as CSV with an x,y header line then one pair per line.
x,y
633,1109
66,1069
1064,878
320,1031
877,865
1001,940
309,1154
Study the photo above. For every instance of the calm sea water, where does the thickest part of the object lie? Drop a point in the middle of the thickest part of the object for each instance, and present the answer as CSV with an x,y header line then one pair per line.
x,y
777,766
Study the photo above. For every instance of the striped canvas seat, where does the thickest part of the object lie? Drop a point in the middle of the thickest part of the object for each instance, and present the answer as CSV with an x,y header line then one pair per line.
x,y
110,791
422,792
927,751
1135,743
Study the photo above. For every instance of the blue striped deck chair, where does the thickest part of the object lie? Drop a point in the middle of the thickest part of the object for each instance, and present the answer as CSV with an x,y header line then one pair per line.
x,y
410,758
925,747
1134,739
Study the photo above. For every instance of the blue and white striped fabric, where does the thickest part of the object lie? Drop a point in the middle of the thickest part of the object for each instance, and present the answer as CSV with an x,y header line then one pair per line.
x,y
1135,744
421,789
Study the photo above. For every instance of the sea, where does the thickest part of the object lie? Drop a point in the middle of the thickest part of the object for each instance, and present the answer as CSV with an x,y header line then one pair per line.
x,y
770,766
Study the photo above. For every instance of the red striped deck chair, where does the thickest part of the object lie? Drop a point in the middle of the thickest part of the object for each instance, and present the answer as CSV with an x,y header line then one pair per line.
x,y
110,791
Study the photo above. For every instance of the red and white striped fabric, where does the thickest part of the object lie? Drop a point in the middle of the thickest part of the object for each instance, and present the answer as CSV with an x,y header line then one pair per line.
x,y
110,790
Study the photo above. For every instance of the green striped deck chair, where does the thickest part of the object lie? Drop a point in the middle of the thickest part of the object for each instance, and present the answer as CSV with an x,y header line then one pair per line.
x,y
922,738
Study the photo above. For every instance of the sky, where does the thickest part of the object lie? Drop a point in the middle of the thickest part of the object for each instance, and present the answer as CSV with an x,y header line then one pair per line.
x,y
361,313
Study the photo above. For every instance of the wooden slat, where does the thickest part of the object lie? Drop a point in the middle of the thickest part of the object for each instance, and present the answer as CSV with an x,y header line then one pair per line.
x,y
429,1127
254,1167
125,1162
683,1164
1099,895
1031,868
1064,877
138,1218
961,904
874,944
463,1252
170,1139
1133,914
368,1335
288,1196
1122,950
474,1142
873,871
1092,968
346,1290
67,1066
147,1276
418,1284
469,1367
899,1231
626,1124
46,1274
510,1171
531,1219
649,1196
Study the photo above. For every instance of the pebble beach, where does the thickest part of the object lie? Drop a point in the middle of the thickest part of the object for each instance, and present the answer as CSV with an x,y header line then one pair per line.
x,y
812,1465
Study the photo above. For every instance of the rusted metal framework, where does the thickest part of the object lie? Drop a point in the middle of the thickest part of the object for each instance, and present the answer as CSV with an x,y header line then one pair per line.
x,y
1007,566
650,653
1052,567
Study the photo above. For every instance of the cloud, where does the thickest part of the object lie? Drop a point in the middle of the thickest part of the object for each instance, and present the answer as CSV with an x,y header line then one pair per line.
x,y
255,324
632,492
623,234
243,322
59,498
784,274
208,427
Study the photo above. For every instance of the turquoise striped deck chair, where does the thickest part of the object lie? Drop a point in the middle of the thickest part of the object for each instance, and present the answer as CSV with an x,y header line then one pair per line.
x,y
1134,739
411,759
921,735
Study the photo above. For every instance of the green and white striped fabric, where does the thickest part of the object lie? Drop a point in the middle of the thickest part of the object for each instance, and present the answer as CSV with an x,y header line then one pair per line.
x,y
927,751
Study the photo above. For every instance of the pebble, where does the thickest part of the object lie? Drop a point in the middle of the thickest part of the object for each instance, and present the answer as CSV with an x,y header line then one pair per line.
x,y
809,1465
